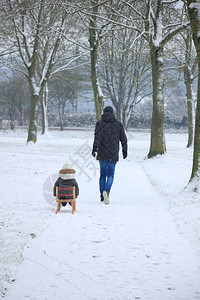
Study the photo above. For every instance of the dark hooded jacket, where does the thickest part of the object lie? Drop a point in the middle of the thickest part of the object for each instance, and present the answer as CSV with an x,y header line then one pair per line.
x,y
108,133
66,180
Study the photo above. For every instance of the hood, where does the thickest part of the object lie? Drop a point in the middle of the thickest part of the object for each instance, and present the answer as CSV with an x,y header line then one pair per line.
x,y
67,176
108,117
67,172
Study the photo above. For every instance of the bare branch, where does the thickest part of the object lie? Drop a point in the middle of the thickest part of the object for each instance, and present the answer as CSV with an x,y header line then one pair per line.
x,y
172,33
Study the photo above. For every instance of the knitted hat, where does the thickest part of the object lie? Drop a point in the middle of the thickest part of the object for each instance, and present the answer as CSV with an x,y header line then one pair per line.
x,y
67,169
108,109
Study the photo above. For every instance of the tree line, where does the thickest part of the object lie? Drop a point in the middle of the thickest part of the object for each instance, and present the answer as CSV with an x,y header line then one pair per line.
x,y
128,46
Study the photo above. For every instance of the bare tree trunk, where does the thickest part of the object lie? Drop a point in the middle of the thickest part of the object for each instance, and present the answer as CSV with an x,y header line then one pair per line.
x,y
188,75
75,106
61,125
126,117
44,105
33,120
61,112
94,42
118,110
157,145
12,116
98,96
196,155
194,11
190,106
21,112
12,123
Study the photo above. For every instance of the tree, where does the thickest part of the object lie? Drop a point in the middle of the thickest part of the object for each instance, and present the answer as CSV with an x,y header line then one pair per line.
x,y
189,70
94,39
160,33
125,65
194,13
38,27
91,12
44,97
61,93
157,22
94,43
14,98
181,50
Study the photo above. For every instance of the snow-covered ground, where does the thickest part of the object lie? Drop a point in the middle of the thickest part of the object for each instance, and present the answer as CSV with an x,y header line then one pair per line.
x,y
143,245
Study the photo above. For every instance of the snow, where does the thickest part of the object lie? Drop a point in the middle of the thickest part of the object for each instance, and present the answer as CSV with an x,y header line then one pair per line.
x,y
195,5
36,89
100,94
159,31
143,245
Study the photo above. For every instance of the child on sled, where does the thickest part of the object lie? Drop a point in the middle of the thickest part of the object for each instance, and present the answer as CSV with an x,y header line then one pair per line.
x,y
66,180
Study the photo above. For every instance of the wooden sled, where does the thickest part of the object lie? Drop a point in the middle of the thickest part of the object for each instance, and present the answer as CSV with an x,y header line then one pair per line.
x,y
72,200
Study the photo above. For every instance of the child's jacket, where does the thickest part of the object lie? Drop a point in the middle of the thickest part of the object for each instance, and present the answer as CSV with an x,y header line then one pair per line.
x,y
66,180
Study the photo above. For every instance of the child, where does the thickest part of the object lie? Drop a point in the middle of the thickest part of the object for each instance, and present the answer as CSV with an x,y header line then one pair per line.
x,y
66,180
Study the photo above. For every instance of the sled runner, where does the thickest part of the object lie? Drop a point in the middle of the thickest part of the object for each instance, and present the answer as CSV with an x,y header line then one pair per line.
x,y
62,197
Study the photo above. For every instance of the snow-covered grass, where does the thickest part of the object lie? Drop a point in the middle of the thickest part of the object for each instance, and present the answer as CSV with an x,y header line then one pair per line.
x,y
143,245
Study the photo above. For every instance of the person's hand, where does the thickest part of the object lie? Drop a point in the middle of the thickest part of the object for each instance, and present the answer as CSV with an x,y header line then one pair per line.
x,y
124,153
94,152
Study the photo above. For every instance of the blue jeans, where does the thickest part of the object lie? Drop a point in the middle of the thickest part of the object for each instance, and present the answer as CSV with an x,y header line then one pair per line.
x,y
107,170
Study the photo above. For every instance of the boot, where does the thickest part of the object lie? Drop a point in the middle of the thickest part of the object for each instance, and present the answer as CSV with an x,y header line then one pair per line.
x,y
106,196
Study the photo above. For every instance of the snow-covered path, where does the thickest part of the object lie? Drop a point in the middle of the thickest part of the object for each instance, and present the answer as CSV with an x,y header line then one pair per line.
x,y
129,249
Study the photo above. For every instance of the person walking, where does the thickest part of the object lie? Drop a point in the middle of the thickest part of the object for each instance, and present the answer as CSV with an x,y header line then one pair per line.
x,y
108,133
